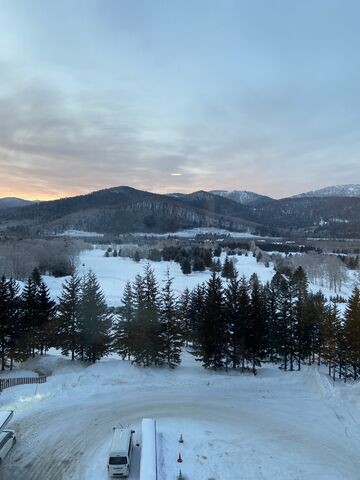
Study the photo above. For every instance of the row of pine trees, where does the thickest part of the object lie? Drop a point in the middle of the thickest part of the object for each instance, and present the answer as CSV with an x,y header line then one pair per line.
x,y
236,324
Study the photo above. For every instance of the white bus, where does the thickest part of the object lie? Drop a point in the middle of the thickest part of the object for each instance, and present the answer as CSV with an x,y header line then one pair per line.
x,y
120,452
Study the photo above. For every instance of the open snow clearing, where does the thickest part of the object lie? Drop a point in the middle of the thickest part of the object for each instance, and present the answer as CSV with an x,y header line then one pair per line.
x,y
235,426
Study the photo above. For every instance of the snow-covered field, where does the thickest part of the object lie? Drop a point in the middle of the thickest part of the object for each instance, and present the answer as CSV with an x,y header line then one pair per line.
x,y
113,273
274,426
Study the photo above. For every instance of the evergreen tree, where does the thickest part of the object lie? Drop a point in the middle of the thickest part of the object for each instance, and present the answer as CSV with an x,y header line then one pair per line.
x,y
46,313
315,313
137,257
14,346
4,319
185,266
216,266
147,344
331,330
211,343
170,325
36,277
95,321
227,269
30,317
207,258
217,252
302,328
272,317
184,312
124,333
198,264
352,332
236,309
256,327
196,313
69,317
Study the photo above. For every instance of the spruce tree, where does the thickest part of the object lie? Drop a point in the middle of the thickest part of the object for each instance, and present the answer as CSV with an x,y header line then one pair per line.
x,y
30,317
184,312
16,350
227,269
45,323
4,319
315,314
170,325
147,341
331,330
212,337
216,266
36,276
69,317
124,333
196,314
185,266
236,305
352,332
302,328
95,323
256,326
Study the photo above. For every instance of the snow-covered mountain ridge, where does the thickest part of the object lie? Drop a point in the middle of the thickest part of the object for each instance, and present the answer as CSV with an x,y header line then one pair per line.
x,y
350,190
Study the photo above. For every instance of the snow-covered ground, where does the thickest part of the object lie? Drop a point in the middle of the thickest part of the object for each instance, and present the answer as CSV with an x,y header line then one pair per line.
x,y
113,273
192,232
274,426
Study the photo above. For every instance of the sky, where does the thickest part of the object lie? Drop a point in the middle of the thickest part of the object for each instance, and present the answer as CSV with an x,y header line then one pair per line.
x,y
178,95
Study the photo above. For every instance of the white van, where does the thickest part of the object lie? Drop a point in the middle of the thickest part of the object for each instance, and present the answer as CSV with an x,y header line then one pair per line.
x,y
120,452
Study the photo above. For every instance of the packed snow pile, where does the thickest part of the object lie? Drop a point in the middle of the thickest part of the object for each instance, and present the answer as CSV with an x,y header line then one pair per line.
x,y
148,464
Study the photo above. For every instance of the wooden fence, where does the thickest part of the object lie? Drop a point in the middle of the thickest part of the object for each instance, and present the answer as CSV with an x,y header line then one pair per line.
x,y
12,382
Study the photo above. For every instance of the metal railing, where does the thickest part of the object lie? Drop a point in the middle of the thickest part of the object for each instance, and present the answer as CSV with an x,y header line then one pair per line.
x,y
12,382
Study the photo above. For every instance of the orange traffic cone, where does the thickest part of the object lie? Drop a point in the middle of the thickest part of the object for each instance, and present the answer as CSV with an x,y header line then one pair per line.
x,y
181,440
179,458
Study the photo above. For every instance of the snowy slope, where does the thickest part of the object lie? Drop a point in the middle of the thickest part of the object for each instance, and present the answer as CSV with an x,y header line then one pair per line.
x,y
241,196
350,190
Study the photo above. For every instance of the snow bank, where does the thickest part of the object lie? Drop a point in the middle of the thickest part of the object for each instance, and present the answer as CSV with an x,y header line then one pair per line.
x,y
148,464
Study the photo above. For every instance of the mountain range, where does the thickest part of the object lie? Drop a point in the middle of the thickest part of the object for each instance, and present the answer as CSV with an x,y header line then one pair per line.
x,y
331,212
12,202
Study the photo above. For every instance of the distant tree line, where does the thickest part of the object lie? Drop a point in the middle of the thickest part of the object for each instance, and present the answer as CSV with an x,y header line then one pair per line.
x,y
54,256
236,324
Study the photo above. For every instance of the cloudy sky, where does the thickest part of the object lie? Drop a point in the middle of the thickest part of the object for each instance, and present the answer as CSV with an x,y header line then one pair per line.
x,y
260,95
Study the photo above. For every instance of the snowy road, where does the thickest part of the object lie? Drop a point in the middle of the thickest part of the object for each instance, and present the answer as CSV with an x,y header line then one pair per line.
x,y
275,426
